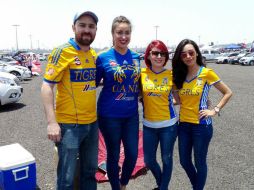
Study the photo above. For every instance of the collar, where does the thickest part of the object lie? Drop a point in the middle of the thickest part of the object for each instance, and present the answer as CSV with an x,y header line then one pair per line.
x,y
74,44
200,70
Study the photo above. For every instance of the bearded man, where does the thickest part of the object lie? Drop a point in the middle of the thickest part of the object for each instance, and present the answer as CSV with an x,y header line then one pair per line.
x,y
72,122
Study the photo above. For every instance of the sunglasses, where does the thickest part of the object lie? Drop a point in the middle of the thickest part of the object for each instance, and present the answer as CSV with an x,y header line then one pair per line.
x,y
157,53
186,53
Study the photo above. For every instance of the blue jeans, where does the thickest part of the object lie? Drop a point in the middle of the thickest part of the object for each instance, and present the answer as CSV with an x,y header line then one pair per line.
x,y
115,130
166,137
78,140
196,137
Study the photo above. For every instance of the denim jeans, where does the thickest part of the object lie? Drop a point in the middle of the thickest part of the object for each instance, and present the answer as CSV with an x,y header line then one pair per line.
x,y
115,130
78,140
196,137
166,137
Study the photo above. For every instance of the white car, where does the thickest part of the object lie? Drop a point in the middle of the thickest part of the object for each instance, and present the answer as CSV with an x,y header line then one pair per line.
x,y
9,60
10,89
247,60
235,59
209,54
224,58
42,57
19,71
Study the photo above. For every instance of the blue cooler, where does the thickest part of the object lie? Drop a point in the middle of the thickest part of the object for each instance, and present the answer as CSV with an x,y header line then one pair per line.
x,y
17,168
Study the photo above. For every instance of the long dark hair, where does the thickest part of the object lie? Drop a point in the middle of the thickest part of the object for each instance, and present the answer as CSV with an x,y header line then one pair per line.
x,y
180,70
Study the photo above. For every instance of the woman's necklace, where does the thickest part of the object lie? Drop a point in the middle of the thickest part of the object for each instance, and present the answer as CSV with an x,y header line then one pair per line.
x,y
193,74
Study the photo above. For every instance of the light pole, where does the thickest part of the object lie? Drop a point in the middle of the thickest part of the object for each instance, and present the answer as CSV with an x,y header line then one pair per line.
x,y
31,44
156,29
16,27
38,43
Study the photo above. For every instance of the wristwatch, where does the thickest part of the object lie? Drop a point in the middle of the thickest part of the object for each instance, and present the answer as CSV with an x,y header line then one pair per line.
x,y
217,110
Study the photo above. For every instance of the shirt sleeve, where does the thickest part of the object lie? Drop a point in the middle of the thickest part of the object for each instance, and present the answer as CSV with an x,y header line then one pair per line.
x,y
212,77
56,66
99,71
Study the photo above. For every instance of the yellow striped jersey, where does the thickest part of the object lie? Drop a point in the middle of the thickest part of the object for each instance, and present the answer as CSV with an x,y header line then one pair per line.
x,y
194,96
74,72
157,97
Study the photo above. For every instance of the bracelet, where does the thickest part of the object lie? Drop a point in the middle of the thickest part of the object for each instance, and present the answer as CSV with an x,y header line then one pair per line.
x,y
217,110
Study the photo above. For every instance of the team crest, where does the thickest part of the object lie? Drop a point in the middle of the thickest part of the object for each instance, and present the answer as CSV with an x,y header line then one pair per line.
x,y
77,60
50,71
165,81
199,81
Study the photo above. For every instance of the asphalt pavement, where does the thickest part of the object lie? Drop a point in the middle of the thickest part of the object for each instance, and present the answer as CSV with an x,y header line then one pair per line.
x,y
231,152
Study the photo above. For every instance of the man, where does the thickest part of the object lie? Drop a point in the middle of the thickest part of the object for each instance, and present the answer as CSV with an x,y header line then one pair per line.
x,y
72,124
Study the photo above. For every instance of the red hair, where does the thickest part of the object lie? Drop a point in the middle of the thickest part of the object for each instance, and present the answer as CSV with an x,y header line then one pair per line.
x,y
158,44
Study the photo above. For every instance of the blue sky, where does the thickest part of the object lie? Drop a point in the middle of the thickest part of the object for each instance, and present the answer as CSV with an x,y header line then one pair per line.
x,y
47,23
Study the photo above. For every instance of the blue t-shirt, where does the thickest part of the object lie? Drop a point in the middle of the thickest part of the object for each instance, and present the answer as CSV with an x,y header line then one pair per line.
x,y
120,74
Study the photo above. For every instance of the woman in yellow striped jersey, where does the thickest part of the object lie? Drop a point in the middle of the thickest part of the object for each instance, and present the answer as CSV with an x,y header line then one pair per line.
x,y
159,121
193,82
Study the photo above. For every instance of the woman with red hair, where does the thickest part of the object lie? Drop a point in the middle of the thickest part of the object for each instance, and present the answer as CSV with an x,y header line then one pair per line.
x,y
160,119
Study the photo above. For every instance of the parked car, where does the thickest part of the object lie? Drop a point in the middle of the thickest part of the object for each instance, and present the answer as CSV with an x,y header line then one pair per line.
x,y
171,55
19,71
235,59
36,69
10,89
247,60
42,57
36,62
225,58
9,60
209,54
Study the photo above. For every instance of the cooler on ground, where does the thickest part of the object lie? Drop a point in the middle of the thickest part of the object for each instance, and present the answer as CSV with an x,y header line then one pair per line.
x,y
17,168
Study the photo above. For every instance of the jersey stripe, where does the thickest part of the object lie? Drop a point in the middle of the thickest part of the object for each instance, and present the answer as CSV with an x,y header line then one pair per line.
x,y
57,53
171,106
203,103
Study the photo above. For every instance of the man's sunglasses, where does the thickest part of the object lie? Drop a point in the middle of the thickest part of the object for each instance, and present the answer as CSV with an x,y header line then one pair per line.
x,y
157,53
186,53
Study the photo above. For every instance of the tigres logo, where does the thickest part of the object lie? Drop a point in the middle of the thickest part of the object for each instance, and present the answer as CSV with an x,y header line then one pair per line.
x,y
119,74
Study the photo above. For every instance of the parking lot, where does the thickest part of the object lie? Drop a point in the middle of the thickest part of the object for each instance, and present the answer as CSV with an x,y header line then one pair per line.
x,y
231,152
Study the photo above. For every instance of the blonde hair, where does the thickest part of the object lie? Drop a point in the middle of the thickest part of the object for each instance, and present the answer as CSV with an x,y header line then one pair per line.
x,y
118,20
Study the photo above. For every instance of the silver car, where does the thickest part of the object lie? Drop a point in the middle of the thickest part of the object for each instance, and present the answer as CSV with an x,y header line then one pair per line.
x,y
247,60
19,71
10,89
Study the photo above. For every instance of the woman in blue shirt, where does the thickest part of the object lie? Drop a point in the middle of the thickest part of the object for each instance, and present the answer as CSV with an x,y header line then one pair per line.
x,y
119,67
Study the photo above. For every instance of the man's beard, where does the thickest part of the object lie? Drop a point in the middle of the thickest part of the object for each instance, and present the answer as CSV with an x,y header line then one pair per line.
x,y
86,41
